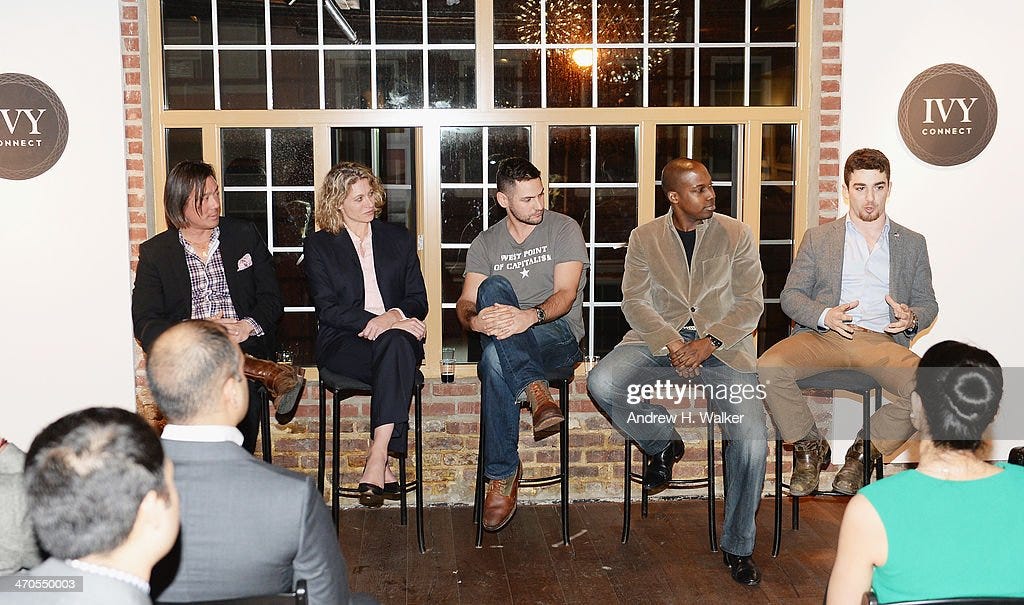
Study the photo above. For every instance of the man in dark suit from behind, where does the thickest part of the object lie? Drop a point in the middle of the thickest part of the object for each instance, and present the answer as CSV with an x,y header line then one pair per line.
x,y
208,266
248,528
102,502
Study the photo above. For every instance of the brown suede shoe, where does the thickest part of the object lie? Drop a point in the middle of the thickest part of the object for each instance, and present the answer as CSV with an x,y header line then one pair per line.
x,y
546,413
500,501
850,478
283,381
811,455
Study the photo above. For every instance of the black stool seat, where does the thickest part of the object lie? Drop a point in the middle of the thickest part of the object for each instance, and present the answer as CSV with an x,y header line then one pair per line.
x,y
559,378
831,380
343,387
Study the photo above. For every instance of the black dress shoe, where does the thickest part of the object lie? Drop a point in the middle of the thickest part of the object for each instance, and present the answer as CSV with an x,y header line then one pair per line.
x,y
371,495
659,466
743,569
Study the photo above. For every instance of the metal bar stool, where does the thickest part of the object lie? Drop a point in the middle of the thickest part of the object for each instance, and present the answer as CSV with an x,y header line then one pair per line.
x,y
560,378
833,380
344,387
708,481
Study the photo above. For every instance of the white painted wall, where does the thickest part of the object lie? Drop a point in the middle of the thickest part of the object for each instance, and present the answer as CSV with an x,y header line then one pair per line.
x,y
65,316
971,214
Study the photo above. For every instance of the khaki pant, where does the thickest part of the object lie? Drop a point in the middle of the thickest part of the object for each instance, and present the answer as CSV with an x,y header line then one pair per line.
x,y
807,353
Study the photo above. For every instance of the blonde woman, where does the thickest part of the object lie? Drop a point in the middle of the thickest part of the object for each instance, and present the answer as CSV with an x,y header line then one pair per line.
x,y
365,281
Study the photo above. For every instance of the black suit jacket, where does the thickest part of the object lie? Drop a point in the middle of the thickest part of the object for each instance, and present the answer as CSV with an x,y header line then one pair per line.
x,y
163,291
336,280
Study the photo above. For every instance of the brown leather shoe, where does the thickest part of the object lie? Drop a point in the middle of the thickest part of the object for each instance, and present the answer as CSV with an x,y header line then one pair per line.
x,y
500,501
811,455
850,478
546,413
283,381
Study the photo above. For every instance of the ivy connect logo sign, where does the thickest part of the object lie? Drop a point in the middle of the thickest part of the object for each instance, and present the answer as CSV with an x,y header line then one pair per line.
x,y
33,127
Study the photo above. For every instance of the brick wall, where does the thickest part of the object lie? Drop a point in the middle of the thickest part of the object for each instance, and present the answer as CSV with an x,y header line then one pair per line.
x,y
451,411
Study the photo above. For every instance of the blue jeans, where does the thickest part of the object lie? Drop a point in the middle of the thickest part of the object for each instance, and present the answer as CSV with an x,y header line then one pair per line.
x,y
506,367
614,387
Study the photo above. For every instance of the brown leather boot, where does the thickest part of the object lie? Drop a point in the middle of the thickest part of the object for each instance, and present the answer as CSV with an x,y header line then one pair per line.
x,y
283,381
850,478
546,413
500,501
810,455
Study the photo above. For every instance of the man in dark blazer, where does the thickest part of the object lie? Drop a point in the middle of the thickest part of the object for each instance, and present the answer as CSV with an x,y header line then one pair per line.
x,y
248,528
206,266
859,290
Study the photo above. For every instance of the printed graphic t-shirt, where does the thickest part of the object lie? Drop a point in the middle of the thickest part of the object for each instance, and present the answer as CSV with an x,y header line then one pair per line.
x,y
530,266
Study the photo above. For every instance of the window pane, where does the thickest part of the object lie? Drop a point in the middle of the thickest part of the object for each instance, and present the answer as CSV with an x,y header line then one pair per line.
x,y
295,79
670,83
517,78
400,78
293,23
569,22
773,327
347,79
461,155
609,265
773,21
569,154
183,144
467,346
609,328
399,21
722,21
451,22
671,21
243,79
573,202
354,26
250,206
505,142
292,279
188,79
244,156
569,83
187,21
620,78
293,217
453,263
292,156
389,154
616,154
452,78
775,260
462,215
297,333
776,212
721,77
620,21
777,152
517,22
772,76
716,147
240,22
615,214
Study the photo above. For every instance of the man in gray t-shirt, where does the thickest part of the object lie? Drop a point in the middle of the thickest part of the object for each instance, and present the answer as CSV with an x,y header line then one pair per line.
x,y
523,294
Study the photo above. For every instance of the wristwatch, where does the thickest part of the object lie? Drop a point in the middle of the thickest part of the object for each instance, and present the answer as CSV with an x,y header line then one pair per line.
x,y
540,315
714,340
912,329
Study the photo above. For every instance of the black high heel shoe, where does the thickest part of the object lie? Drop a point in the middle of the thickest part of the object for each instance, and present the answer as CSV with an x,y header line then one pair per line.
x,y
371,495
392,489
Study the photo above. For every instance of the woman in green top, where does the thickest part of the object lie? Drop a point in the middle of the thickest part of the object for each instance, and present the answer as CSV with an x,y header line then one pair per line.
x,y
952,527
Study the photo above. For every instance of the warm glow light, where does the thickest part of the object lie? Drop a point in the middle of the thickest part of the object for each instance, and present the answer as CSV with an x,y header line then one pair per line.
x,y
584,57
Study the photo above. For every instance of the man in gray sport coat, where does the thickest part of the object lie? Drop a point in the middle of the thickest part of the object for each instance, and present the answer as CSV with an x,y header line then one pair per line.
x,y
859,290
248,528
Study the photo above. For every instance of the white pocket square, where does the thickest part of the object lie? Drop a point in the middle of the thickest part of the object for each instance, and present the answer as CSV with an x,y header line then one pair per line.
x,y
245,262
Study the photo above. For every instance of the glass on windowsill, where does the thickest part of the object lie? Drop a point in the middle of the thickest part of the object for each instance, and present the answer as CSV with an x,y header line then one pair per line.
x,y
448,364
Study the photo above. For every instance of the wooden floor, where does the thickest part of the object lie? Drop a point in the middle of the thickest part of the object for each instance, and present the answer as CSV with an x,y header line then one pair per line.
x,y
667,559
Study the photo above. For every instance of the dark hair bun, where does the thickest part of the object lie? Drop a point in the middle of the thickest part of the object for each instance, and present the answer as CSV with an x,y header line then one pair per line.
x,y
960,388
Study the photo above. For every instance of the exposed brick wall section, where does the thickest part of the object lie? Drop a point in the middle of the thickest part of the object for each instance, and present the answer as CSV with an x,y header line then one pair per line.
x,y
829,91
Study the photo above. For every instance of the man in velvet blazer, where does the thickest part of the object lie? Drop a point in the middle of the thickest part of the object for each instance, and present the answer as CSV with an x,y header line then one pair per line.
x,y
163,291
336,280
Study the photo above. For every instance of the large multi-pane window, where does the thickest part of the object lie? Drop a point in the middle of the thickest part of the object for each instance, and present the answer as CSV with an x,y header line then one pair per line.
x,y
433,94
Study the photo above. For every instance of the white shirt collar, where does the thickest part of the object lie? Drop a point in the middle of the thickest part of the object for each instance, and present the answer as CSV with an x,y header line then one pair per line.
x,y
207,433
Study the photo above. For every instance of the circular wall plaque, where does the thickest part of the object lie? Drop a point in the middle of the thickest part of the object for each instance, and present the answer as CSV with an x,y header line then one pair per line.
x,y
33,127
